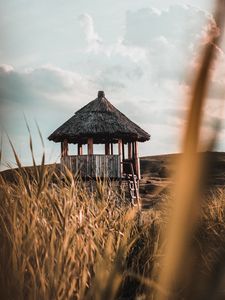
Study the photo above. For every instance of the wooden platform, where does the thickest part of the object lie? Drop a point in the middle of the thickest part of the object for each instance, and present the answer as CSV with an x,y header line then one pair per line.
x,y
93,166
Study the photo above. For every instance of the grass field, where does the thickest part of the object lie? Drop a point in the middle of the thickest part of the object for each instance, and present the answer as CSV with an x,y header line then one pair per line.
x,y
60,241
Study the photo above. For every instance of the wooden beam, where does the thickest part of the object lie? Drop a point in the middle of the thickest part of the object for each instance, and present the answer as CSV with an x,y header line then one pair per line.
x,y
107,149
133,151
90,146
64,148
120,150
129,151
79,149
137,162
123,150
111,148
136,149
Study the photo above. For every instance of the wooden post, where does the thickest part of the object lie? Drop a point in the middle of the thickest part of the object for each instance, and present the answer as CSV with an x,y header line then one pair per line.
x,y
107,149
90,146
111,148
120,150
133,151
62,154
129,151
79,149
137,163
64,148
123,151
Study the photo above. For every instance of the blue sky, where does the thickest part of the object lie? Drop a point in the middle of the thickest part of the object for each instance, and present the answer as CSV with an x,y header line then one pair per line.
x,y
55,55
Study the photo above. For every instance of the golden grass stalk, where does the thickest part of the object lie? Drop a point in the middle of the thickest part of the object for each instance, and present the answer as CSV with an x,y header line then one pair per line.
x,y
186,199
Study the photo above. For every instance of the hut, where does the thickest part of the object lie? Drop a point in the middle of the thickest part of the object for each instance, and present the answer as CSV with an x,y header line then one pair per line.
x,y
99,122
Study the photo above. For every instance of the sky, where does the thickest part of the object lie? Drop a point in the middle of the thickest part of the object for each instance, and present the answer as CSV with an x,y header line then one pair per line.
x,y
55,55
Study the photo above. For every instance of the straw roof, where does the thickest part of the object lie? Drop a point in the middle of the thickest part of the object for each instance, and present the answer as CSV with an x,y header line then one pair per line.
x,y
100,120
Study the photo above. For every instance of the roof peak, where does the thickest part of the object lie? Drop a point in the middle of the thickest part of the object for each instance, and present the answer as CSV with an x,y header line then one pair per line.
x,y
101,94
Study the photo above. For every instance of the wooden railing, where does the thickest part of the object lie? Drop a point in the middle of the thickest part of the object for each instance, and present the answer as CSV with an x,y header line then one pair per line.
x,y
92,166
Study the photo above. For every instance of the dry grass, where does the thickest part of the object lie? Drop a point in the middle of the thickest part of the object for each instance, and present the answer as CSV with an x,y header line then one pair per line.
x,y
62,241
59,240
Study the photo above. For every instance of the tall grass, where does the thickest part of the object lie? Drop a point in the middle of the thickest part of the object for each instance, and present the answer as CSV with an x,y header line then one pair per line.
x,y
60,240
65,242
188,178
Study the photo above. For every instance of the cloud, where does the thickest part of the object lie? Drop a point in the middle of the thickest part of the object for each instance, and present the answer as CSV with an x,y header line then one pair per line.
x,y
178,24
92,38
6,68
96,45
171,40
171,37
46,85
160,44
114,65
47,94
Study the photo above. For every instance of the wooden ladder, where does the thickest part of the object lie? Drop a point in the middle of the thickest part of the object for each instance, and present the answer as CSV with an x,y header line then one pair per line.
x,y
133,186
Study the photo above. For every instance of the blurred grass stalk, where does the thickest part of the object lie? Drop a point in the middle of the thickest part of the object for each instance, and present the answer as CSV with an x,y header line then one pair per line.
x,y
189,172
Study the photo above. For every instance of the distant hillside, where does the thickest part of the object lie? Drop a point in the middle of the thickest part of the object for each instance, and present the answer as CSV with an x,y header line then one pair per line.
x,y
9,174
159,166
155,172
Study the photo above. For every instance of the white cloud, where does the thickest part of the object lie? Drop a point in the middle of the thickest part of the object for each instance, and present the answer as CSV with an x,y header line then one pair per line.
x,y
47,94
96,45
178,24
170,40
46,85
171,37
92,38
163,44
6,68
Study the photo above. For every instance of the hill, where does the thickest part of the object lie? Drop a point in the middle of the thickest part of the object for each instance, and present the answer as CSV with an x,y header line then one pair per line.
x,y
159,167
155,171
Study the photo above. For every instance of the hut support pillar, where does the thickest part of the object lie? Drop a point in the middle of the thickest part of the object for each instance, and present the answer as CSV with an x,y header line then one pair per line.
x,y
123,151
64,148
120,152
61,149
133,151
129,151
107,149
111,148
79,149
136,159
90,146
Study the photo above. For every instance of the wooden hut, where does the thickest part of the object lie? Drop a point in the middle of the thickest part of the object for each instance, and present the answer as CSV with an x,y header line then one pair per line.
x,y
99,122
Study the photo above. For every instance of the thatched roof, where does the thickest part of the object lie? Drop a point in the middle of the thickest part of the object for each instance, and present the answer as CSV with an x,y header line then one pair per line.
x,y
102,121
